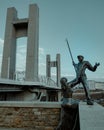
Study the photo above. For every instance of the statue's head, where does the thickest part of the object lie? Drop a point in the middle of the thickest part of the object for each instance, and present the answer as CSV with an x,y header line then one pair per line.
x,y
63,80
80,58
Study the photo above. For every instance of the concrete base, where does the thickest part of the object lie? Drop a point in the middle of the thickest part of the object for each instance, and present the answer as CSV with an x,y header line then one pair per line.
x,y
91,117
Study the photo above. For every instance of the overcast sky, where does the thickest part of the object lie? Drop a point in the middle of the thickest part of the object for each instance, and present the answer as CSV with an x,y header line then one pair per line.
x,y
81,21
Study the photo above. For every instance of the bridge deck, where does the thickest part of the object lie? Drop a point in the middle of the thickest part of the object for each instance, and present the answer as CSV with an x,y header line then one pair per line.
x,y
10,85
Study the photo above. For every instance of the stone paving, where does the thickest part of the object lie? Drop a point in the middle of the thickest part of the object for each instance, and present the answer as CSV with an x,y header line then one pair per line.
x,y
91,117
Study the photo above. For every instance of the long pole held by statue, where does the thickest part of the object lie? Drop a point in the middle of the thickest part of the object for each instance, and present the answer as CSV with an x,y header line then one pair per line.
x,y
70,52
69,49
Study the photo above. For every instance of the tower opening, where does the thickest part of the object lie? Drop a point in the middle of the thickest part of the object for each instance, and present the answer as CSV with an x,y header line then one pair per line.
x,y
21,50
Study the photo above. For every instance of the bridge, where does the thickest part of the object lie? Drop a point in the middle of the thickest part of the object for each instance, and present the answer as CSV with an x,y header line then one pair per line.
x,y
41,82
26,90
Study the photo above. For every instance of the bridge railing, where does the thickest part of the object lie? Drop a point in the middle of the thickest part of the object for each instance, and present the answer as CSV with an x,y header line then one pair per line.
x,y
20,76
47,80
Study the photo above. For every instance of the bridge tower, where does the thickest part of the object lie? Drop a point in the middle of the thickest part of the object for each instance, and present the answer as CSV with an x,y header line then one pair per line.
x,y
56,64
16,28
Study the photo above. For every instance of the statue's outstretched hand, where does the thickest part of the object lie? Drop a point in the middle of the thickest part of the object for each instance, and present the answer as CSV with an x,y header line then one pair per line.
x,y
97,64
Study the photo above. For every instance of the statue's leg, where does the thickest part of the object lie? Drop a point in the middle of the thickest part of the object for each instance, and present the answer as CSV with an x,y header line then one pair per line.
x,y
87,92
86,87
73,82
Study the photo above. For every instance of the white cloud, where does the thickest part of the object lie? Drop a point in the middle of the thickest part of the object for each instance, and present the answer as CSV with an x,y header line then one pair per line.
x,y
42,64
21,60
42,69
21,57
1,41
21,49
42,61
41,51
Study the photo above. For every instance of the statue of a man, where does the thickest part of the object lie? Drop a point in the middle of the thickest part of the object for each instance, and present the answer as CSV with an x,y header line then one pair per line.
x,y
81,76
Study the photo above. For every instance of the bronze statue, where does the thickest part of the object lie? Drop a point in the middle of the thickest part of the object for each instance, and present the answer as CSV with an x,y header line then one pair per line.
x,y
81,76
66,89
80,73
69,108
69,118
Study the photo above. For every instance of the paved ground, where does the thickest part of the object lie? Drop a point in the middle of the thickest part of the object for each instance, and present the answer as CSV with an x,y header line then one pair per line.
x,y
91,117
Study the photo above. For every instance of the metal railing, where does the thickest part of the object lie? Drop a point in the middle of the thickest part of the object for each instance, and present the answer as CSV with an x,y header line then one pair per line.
x,y
20,76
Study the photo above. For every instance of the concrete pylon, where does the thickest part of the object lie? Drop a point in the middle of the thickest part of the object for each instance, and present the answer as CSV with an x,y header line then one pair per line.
x,y
16,28
56,64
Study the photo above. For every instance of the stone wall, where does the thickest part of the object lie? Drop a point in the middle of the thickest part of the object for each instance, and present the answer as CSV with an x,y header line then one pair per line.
x,y
94,95
29,115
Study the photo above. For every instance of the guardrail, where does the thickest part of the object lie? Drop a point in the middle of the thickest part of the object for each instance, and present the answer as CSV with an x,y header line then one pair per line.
x,y
20,76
